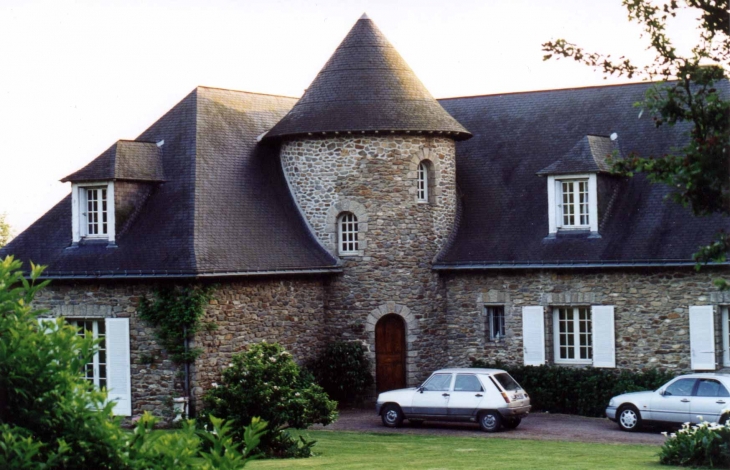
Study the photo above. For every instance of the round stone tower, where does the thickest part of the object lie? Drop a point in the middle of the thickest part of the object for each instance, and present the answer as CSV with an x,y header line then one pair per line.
x,y
370,158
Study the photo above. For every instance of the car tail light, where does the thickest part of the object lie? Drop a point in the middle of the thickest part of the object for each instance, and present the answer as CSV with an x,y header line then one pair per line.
x,y
505,396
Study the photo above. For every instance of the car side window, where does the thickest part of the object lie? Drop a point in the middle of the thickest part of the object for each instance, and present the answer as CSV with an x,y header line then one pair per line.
x,y
467,383
681,388
438,383
711,388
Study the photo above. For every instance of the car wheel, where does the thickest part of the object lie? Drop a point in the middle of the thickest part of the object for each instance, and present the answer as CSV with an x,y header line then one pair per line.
x,y
724,419
392,416
512,423
629,418
416,423
490,421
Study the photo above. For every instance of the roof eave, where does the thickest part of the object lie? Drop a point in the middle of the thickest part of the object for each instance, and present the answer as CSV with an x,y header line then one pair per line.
x,y
499,265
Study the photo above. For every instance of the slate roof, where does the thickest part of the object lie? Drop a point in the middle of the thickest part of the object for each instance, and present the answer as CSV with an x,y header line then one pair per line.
x,y
125,160
504,214
589,155
366,86
224,209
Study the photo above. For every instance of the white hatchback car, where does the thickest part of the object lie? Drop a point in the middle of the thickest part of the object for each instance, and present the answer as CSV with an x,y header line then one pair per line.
x,y
688,398
489,396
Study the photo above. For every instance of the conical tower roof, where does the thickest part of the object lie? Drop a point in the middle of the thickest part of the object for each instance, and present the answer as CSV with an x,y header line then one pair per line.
x,y
366,86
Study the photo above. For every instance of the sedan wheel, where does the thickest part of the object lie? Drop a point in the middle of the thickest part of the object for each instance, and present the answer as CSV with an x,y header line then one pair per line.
x,y
629,418
490,421
512,423
392,416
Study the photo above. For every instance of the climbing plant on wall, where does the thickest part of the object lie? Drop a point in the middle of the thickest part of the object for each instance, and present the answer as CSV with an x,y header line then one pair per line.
x,y
176,313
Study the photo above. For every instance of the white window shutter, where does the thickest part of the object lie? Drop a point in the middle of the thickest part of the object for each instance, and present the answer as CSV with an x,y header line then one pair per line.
x,y
118,365
702,337
604,336
533,335
726,335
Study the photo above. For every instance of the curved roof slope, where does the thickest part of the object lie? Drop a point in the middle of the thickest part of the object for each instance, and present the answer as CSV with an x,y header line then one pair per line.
x,y
504,219
225,208
366,86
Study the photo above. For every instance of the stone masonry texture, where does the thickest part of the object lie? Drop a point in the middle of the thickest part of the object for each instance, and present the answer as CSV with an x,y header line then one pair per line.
x,y
375,178
651,311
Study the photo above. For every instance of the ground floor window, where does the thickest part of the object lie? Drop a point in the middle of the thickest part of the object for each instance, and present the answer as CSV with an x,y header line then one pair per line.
x,y
573,334
495,322
94,371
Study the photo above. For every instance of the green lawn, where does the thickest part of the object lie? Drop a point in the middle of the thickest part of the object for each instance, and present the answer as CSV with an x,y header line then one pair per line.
x,y
351,450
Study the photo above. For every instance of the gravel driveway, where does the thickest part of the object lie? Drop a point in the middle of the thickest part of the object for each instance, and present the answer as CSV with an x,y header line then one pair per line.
x,y
542,426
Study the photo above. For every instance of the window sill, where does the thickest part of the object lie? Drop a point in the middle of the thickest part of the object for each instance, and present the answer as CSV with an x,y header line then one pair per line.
x,y
569,362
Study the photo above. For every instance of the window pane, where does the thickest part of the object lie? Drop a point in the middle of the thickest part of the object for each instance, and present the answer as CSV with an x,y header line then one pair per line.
x,y
495,322
507,382
467,383
681,388
348,228
708,388
438,383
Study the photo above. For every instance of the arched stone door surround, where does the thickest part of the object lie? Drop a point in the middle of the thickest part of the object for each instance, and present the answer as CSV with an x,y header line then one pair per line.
x,y
412,332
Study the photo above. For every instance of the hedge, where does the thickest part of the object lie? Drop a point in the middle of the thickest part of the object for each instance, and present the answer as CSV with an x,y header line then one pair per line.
x,y
581,391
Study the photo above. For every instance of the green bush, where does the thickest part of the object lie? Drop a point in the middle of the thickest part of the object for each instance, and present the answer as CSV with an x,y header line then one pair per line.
x,y
51,417
343,371
580,391
704,445
265,381
181,449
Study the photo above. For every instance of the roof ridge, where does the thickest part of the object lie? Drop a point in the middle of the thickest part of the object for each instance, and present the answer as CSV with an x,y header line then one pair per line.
x,y
245,91
524,92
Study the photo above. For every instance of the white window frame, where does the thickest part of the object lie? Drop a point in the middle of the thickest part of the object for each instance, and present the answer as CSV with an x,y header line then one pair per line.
x,y
100,357
79,211
348,225
489,312
422,182
555,204
576,335
725,335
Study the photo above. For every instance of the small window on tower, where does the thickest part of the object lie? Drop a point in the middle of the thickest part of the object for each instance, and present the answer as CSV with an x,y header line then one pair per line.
x,y
347,234
423,182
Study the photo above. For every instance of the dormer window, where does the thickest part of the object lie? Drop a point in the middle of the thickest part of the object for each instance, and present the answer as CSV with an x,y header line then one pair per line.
x,y
572,203
92,211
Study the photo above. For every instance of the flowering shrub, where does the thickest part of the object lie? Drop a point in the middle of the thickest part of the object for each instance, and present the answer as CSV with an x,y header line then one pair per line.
x,y
265,381
703,445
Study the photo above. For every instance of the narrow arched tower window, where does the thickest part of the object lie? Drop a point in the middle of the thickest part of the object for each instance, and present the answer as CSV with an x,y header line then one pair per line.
x,y
347,235
423,182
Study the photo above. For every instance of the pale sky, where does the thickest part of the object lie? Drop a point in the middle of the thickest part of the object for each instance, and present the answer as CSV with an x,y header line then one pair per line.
x,y
76,76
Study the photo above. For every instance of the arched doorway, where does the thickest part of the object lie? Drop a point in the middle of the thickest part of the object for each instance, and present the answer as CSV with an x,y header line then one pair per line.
x,y
390,353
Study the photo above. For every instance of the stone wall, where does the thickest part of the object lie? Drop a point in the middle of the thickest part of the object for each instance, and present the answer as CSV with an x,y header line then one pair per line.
x,y
651,311
375,177
289,311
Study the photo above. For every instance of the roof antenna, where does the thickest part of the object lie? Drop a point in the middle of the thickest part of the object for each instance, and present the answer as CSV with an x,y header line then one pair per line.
x,y
364,16
614,136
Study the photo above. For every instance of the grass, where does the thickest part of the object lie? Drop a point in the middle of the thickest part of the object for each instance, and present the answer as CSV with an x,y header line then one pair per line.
x,y
351,450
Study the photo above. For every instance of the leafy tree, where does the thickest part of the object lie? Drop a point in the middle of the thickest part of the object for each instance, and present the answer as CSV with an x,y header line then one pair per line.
x,y
343,370
5,231
687,92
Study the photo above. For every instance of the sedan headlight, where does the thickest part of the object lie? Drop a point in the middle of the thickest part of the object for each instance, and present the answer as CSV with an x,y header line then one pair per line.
x,y
612,402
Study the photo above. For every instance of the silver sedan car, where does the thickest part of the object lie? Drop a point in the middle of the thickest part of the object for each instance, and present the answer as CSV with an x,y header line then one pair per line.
x,y
685,399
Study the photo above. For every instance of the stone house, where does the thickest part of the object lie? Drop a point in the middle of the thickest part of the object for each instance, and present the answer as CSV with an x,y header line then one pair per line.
x,y
432,231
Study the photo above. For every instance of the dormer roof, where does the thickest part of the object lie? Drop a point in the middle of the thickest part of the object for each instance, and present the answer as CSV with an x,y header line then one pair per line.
x,y
125,160
366,86
589,155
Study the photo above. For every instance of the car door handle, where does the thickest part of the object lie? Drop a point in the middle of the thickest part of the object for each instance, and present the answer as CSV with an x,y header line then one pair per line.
x,y
478,395
720,402
684,400
445,395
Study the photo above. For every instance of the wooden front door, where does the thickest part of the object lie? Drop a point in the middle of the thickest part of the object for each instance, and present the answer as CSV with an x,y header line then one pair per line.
x,y
390,353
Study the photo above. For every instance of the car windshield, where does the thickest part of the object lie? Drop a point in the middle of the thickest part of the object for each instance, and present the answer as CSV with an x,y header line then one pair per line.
x,y
507,382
